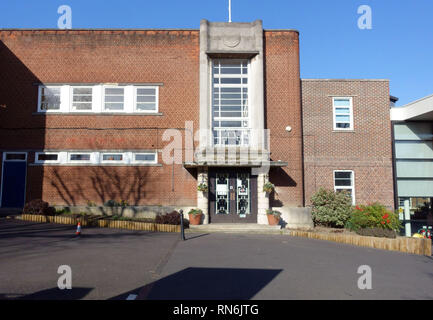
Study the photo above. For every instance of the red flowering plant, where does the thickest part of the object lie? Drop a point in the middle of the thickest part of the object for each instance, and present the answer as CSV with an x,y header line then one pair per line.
x,y
374,215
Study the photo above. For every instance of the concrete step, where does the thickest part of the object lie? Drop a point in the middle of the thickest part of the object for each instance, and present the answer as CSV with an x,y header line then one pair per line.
x,y
253,228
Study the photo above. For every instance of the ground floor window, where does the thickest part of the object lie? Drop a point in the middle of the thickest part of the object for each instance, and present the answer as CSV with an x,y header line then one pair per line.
x,y
344,181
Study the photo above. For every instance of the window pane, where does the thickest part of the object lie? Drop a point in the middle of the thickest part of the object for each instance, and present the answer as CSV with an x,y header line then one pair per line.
x,y
48,157
342,110
145,157
114,98
112,157
50,98
341,118
343,179
80,157
146,91
343,125
342,102
146,106
15,156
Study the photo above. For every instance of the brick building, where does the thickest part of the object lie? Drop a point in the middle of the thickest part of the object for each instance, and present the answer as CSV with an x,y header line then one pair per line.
x,y
145,116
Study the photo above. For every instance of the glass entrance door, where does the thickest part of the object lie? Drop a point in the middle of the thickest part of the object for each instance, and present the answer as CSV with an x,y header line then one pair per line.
x,y
232,196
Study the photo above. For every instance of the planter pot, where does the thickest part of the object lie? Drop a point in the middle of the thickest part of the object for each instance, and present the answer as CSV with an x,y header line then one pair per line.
x,y
194,219
273,220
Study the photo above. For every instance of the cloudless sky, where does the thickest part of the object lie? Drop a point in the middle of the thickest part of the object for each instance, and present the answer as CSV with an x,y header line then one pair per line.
x,y
399,47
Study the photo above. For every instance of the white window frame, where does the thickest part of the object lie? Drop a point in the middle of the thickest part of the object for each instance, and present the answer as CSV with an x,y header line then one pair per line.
x,y
71,98
144,161
80,161
123,154
124,98
350,113
245,130
352,187
37,154
40,98
135,110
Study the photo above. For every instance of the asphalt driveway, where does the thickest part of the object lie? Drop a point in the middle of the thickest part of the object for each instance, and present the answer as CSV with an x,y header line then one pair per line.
x,y
111,264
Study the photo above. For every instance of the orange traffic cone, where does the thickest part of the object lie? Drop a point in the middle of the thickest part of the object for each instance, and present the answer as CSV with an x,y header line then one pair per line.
x,y
78,232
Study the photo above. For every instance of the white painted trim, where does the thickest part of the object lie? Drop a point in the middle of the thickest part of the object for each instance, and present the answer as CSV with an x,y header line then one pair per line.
x,y
47,161
2,175
351,128
352,187
103,98
413,109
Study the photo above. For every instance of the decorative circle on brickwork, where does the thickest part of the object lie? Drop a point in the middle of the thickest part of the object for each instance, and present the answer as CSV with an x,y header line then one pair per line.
x,y
232,41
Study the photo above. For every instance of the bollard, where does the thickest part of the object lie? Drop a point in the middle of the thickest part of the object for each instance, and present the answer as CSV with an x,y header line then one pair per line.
x,y
182,231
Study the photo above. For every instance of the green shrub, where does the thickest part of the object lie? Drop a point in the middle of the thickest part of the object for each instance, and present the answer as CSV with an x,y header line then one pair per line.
x,y
331,209
373,216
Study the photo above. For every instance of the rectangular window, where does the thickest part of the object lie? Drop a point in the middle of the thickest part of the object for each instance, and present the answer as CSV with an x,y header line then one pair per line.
x,y
112,157
344,180
79,157
343,113
47,157
15,156
230,110
145,158
114,98
49,98
82,98
146,99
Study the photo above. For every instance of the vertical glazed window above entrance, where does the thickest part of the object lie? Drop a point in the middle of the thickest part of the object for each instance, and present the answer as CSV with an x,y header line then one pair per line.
x,y
230,109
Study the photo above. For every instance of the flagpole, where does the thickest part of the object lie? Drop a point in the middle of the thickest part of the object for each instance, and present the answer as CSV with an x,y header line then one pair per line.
x,y
230,10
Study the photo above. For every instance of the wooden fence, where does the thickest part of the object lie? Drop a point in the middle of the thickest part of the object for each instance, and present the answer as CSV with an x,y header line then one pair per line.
x,y
404,244
103,223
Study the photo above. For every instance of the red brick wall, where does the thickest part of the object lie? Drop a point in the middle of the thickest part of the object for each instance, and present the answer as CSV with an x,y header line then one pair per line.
x,y
62,56
282,109
366,150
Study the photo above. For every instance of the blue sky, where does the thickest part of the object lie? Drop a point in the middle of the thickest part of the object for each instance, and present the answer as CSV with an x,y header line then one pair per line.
x,y
399,47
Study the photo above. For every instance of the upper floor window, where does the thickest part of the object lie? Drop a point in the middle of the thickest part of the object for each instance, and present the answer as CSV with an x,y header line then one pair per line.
x,y
49,98
98,98
146,99
230,108
82,98
343,113
114,98
344,180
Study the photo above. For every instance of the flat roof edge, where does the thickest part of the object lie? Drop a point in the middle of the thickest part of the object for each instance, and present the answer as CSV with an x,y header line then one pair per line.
x,y
308,79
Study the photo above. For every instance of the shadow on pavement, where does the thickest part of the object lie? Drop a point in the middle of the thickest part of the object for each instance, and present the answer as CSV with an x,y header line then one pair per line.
x,y
52,294
208,284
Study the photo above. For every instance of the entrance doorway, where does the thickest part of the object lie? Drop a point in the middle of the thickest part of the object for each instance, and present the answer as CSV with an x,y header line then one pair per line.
x,y
13,182
232,195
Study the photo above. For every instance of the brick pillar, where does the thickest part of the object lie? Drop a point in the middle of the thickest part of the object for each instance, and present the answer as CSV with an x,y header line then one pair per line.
x,y
262,199
203,197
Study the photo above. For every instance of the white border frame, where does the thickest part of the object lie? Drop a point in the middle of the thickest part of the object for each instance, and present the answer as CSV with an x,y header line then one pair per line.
x,y
47,161
2,176
134,99
351,128
68,159
123,154
143,161
352,187
71,98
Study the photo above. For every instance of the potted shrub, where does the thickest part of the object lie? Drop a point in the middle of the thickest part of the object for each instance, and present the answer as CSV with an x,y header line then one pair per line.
x,y
195,216
202,187
273,217
268,187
